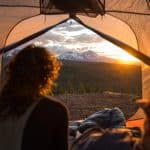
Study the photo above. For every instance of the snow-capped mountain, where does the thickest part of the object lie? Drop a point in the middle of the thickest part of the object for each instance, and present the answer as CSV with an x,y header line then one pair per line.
x,y
88,56
70,55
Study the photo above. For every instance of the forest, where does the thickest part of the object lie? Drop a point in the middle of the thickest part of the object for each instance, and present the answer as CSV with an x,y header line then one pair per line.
x,y
97,77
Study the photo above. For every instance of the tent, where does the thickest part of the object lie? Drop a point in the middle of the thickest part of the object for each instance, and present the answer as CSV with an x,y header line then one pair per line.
x,y
125,23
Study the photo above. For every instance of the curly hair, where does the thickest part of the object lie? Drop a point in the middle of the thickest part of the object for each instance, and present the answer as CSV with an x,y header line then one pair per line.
x,y
31,73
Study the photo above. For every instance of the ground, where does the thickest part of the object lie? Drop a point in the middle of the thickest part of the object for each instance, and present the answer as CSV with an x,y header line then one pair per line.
x,y
81,106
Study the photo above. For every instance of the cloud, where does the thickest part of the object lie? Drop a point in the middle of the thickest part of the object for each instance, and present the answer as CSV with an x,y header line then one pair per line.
x,y
51,36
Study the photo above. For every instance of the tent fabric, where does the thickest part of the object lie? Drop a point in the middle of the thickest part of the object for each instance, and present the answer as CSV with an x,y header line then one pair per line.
x,y
138,20
12,12
136,123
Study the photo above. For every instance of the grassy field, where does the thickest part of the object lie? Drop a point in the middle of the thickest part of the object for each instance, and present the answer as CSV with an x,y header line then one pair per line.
x,y
81,106
97,77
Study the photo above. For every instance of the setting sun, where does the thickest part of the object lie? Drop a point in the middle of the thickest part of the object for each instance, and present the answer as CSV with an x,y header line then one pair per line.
x,y
113,51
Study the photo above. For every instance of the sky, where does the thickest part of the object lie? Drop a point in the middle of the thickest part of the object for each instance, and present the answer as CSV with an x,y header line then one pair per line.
x,y
73,37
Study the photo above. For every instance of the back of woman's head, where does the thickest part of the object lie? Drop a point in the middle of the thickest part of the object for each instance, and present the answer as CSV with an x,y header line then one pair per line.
x,y
30,74
33,68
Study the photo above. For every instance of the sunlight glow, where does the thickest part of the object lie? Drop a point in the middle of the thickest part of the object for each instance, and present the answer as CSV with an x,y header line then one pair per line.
x,y
115,52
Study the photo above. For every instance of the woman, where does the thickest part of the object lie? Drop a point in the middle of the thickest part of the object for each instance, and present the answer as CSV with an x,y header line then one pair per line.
x,y
28,119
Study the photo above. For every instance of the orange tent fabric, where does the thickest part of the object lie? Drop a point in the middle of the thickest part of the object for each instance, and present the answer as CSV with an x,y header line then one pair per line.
x,y
136,123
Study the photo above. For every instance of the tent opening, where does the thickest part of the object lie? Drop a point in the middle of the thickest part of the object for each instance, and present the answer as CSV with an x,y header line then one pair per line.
x,y
95,74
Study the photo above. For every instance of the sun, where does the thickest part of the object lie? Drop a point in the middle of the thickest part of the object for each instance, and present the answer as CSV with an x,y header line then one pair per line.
x,y
127,59
113,51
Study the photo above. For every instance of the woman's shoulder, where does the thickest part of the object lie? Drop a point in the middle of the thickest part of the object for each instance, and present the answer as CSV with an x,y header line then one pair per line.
x,y
50,104
49,101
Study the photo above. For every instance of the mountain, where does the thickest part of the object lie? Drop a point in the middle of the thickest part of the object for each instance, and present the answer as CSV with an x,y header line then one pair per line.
x,y
87,56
